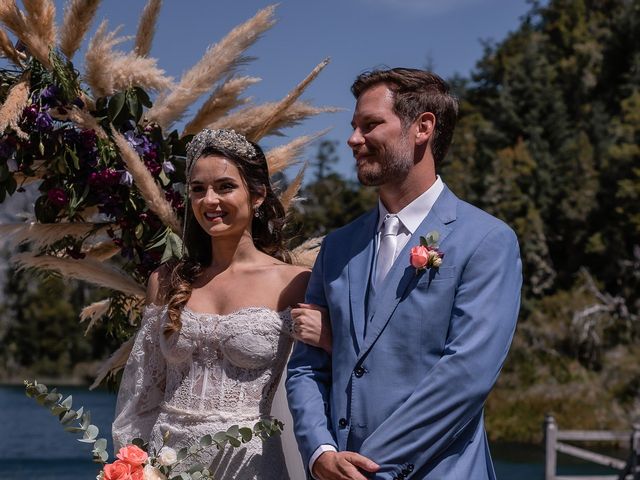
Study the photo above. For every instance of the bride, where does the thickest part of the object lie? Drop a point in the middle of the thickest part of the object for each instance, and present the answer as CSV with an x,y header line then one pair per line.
x,y
218,328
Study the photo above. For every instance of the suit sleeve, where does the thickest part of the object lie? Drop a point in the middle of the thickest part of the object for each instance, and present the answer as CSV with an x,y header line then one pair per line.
x,y
452,393
309,380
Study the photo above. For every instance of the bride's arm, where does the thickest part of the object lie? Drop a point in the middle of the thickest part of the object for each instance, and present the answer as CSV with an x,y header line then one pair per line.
x,y
311,325
143,381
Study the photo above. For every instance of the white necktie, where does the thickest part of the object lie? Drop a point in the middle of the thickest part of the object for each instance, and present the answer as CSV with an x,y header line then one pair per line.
x,y
387,250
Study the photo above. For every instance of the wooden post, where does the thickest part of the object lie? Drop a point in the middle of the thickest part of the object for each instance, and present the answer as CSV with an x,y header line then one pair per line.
x,y
550,439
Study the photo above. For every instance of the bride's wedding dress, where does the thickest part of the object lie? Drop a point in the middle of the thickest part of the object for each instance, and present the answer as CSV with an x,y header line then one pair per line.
x,y
218,371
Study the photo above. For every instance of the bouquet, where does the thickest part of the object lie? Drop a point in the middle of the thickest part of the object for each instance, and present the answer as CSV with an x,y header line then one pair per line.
x,y
134,461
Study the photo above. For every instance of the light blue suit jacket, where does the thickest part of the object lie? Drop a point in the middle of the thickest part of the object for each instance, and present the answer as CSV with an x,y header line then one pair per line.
x,y
410,393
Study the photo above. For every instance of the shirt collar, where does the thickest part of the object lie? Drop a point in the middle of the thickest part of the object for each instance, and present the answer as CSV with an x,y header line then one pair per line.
x,y
413,214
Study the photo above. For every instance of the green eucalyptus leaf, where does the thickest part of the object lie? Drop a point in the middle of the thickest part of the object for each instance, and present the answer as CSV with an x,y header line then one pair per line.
x,y
423,242
135,108
91,432
143,97
246,434
74,429
67,402
233,431
205,441
138,442
182,453
116,103
196,467
220,438
101,444
68,417
234,442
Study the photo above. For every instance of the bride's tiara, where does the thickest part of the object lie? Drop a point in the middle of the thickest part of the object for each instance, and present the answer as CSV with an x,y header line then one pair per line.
x,y
223,139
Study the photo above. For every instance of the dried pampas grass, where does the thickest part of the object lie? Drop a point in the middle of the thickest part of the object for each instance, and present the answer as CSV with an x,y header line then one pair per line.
x,y
217,61
93,313
101,251
82,118
115,362
248,121
44,234
226,97
147,27
11,110
8,50
17,23
108,71
41,16
287,197
279,109
87,270
78,16
284,156
305,255
150,190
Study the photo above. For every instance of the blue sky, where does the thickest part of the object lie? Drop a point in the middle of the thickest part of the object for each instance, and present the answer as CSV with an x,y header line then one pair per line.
x,y
356,34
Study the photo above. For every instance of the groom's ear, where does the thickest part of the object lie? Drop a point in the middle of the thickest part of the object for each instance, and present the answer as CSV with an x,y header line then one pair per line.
x,y
425,127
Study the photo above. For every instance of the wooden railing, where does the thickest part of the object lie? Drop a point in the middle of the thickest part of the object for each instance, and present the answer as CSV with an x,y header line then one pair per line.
x,y
628,469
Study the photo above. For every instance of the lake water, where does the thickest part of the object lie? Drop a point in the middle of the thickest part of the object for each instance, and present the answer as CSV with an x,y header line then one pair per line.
x,y
33,444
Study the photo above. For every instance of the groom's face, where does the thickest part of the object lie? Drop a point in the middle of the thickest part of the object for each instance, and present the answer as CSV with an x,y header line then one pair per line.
x,y
381,146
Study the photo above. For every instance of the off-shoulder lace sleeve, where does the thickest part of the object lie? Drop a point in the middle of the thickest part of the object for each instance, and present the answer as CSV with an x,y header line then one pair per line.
x,y
143,382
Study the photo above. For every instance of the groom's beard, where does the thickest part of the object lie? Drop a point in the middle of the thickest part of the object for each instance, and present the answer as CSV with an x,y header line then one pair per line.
x,y
394,165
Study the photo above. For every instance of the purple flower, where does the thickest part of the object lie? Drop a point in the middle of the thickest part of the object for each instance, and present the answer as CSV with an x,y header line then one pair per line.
x,y
57,197
167,167
126,179
140,144
44,122
31,112
48,95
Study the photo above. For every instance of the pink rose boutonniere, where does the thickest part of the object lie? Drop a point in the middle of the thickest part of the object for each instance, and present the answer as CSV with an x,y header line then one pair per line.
x,y
426,255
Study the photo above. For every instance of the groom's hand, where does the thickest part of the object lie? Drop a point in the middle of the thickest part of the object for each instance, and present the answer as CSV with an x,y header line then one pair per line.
x,y
342,466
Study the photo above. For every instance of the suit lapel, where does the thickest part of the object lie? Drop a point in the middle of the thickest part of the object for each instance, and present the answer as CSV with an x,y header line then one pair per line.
x,y
361,256
402,275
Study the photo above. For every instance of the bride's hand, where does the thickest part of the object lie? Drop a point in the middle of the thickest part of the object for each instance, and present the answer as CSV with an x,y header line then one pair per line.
x,y
311,325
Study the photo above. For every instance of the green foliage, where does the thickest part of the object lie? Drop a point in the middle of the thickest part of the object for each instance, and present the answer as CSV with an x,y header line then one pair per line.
x,y
79,422
548,140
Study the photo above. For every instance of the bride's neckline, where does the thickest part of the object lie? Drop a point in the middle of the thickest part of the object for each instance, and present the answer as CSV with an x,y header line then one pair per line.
x,y
236,312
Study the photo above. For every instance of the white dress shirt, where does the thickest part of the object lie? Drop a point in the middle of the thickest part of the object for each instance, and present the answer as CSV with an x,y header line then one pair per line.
x,y
410,218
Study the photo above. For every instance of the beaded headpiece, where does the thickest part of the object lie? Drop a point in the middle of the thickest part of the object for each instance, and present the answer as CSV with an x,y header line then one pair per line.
x,y
224,139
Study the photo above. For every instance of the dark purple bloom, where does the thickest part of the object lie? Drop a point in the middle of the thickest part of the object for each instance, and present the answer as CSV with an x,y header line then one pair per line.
x,y
126,179
44,122
153,167
48,95
30,113
167,167
139,143
57,197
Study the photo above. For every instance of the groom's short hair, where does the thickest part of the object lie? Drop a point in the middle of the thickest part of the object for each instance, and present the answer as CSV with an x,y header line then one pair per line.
x,y
415,92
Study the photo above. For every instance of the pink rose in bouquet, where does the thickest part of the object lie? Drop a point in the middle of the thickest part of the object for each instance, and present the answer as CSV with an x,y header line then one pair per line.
x,y
132,455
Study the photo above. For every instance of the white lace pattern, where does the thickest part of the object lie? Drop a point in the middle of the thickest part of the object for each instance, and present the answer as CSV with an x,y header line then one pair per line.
x,y
219,370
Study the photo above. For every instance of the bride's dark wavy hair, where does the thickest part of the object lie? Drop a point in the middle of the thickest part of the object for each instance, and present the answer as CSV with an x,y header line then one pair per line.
x,y
266,230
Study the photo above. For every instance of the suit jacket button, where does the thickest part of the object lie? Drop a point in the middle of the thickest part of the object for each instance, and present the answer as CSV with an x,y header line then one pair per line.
x,y
410,467
359,371
342,423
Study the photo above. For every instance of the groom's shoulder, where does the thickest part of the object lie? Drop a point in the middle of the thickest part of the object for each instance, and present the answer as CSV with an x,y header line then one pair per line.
x,y
348,230
479,221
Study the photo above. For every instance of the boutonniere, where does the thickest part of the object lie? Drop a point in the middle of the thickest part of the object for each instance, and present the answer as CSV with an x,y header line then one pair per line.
x,y
426,255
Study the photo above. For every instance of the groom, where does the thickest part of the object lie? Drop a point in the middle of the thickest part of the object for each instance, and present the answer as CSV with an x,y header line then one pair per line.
x,y
418,338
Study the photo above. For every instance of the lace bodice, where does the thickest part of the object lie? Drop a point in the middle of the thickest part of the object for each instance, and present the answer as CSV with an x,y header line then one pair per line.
x,y
217,370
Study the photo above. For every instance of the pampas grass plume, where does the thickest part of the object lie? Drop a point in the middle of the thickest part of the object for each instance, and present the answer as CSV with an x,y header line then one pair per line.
x,y
87,270
284,156
78,16
147,27
150,190
223,99
287,197
11,110
217,61
8,50
305,255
